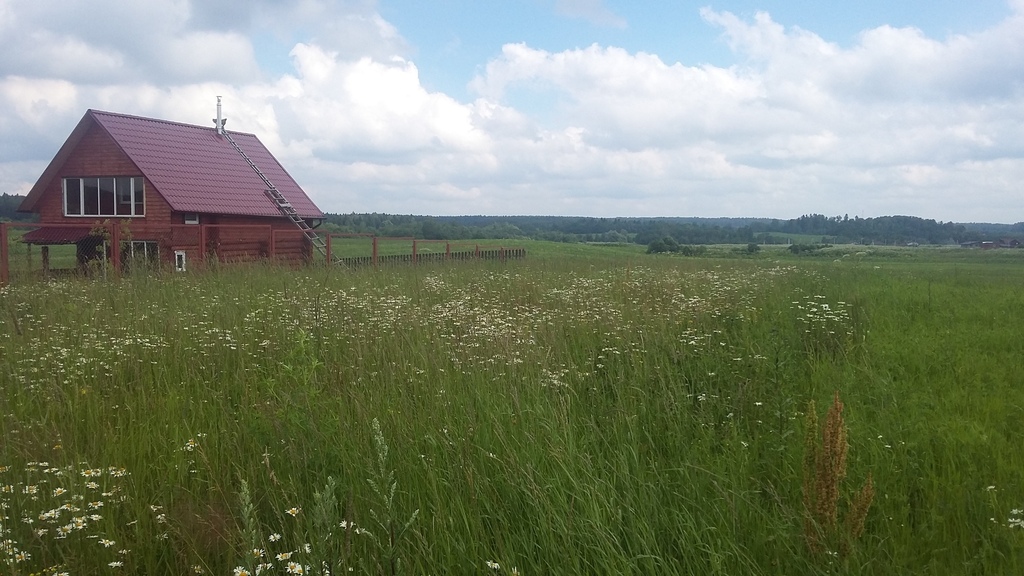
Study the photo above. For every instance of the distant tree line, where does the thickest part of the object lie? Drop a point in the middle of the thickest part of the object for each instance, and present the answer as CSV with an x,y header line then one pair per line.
x,y
9,209
425,227
881,230
670,232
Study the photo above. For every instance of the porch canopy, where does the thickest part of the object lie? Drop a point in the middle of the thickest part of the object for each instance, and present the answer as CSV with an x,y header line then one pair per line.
x,y
49,235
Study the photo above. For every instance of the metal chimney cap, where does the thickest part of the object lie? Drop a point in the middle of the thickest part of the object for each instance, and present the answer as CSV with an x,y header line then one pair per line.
x,y
219,121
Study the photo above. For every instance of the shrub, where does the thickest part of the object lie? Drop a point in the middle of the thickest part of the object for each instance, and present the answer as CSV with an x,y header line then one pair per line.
x,y
665,244
801,248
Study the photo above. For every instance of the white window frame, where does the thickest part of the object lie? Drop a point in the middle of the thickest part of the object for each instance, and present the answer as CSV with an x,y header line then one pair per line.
x,y
179,260
145,249
191,218
137,192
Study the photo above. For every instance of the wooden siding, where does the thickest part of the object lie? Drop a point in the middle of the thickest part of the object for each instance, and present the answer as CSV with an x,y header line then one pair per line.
x,y
241,238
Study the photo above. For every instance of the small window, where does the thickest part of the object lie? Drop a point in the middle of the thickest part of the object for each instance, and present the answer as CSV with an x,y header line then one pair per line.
x,y
123,188
140,254
138,196
107,202
72,196
179,260
191,218
91,197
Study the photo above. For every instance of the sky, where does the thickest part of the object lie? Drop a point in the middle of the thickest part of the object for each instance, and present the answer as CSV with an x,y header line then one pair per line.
x,y
728,108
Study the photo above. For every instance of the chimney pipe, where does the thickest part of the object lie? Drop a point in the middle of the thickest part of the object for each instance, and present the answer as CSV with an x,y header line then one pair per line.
x,y
219,121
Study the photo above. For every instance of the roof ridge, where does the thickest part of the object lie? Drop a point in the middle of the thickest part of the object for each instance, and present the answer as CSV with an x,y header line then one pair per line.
x,y
96,112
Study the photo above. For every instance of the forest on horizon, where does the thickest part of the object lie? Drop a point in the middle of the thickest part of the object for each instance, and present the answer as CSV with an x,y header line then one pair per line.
x,y
888,230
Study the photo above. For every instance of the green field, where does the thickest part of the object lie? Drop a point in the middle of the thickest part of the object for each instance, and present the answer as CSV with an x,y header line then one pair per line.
x,y
589,410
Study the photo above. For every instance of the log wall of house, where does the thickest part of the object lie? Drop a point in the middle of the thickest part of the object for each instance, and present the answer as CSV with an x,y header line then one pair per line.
x,y
233,238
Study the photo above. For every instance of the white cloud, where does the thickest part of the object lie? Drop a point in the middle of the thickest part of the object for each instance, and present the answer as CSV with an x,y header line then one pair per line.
x,y
113,41
38,102
375,107
887,63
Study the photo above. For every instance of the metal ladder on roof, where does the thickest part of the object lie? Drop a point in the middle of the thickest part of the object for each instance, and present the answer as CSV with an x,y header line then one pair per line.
x,y
282,203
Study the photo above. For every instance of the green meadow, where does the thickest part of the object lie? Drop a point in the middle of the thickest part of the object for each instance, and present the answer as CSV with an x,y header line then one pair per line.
x,y
588,410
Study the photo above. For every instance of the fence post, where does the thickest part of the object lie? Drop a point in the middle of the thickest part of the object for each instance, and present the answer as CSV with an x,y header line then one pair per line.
x,y
501,253
375,252
447,250
476,253
115,247
329,259
202,243
5,271
414,251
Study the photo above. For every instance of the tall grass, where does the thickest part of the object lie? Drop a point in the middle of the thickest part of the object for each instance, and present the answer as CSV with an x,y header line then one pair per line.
x,y
613,413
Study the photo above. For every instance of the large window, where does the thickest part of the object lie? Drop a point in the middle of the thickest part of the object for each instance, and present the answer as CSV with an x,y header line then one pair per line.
x,y
121,196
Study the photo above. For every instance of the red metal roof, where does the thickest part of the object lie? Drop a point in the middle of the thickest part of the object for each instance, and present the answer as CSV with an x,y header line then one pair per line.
x,y
192,167
56,235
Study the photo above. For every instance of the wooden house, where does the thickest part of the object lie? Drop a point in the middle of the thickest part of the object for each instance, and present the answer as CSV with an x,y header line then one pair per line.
x,y
177,192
